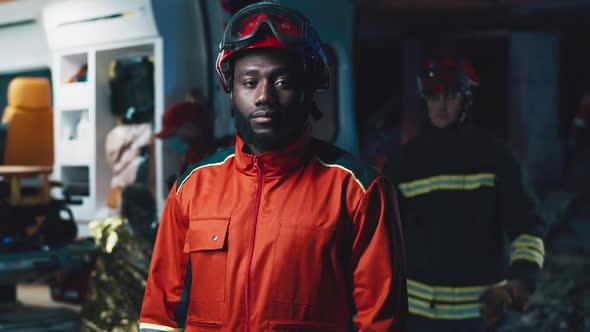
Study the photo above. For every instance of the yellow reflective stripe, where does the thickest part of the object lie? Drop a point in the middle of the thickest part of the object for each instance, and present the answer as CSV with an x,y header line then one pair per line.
x,y
447,294
202,166
443,311
529,241
446,298
527,256
540,250
531,237
345,169
447,182
527,252
529,248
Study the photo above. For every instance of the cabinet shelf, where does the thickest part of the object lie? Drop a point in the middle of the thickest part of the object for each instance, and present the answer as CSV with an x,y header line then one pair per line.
x,y
73,96
75,152
72,65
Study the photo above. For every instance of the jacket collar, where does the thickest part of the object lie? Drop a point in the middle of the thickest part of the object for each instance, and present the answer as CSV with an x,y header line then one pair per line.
x,y
275,162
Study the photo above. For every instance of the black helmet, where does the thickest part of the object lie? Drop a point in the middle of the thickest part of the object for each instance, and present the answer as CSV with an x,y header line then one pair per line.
x,y
272,25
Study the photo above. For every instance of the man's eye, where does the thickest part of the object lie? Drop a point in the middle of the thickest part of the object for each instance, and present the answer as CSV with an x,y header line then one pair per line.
x,y
249,83
283,83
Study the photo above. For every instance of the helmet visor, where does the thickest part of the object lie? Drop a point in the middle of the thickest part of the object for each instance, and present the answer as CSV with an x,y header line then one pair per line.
x,y
285,24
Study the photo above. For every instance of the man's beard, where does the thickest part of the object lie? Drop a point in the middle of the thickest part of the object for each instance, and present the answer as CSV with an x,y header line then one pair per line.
x,y
289,127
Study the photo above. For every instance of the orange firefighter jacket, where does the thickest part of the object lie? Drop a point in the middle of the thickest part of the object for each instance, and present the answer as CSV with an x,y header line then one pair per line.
x,y
306,238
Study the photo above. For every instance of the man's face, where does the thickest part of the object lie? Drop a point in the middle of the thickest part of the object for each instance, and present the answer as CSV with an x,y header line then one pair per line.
x,y
266,97
444,108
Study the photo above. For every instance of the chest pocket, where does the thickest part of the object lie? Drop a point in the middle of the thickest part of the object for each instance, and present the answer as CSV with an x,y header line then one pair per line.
x,y
206,242
302,269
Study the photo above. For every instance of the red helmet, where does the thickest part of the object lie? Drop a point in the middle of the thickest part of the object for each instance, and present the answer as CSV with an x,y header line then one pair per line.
x,y
446,73
272,25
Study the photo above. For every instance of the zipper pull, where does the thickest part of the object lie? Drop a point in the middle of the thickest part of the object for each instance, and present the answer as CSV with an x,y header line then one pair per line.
x,y
257,162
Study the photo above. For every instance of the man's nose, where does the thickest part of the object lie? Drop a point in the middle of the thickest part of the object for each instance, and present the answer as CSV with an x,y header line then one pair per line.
x,y
265,93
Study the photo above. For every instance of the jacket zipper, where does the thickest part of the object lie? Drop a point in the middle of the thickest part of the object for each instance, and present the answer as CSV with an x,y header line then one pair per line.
x,y
258,166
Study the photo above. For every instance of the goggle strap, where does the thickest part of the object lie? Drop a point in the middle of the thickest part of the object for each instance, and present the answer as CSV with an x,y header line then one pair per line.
x,y
244,41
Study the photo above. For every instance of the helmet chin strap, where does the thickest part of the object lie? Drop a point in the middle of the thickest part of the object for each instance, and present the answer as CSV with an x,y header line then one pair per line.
x,y
231,105
466,108
306,100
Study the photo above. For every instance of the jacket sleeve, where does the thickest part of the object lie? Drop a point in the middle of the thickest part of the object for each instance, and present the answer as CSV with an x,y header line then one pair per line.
x,y
520,217
378,262
167,270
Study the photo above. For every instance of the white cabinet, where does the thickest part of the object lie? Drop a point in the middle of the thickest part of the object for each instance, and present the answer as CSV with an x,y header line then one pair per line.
x,y
83,118
82,108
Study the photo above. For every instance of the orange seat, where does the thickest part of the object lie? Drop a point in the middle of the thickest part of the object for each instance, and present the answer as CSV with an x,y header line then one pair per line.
x,y
29,121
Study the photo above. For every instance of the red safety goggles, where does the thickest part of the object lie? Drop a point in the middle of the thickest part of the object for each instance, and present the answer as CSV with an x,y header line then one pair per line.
x,y
287,25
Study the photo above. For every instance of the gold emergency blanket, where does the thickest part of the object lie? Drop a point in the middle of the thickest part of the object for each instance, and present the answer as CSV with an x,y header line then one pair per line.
x,y
117,283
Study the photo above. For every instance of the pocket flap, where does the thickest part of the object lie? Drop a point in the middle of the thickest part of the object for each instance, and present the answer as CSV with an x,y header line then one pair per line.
x,y
206,234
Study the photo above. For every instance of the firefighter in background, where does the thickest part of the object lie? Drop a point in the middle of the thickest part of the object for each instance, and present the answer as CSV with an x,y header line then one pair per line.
x,y
578,144
460,193
187,128
188,131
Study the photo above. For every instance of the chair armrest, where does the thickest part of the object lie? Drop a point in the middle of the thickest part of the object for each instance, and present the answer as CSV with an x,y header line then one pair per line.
x,y
55,183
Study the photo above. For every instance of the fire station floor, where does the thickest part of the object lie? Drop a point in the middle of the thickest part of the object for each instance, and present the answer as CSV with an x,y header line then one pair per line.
x,y
562,299
561,303
35,311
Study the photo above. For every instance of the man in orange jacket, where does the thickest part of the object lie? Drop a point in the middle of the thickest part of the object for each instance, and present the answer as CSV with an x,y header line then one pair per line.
x,y
283,232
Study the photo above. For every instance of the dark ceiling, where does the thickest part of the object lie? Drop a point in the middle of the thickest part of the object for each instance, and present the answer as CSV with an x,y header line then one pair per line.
x,y
445,5
420,17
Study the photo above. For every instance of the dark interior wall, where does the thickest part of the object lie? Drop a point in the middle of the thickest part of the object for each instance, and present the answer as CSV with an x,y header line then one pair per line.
x,y
378,85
